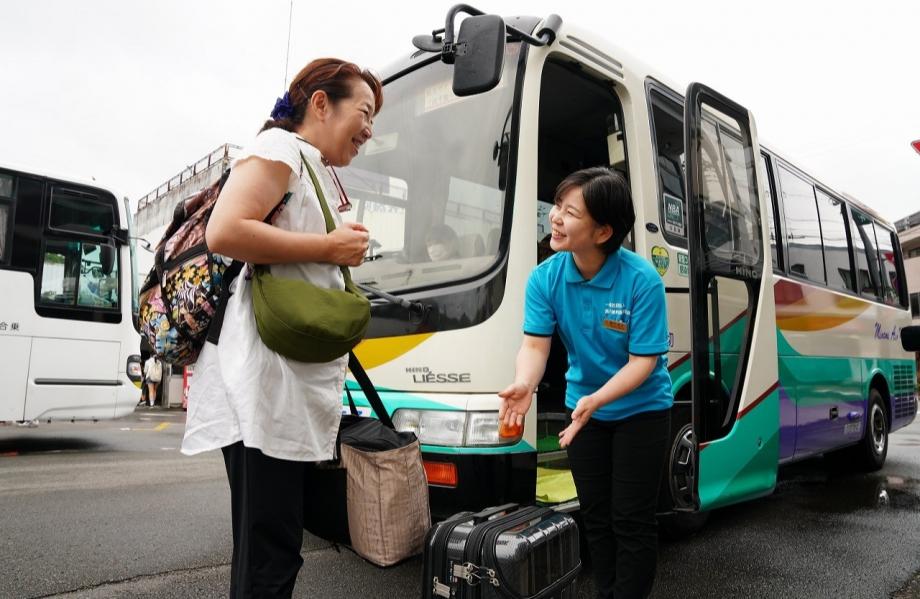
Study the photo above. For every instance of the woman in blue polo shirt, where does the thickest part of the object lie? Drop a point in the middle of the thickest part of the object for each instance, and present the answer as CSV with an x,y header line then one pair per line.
x,y
608,305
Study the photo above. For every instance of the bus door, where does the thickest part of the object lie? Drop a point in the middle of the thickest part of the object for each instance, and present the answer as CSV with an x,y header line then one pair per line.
x,y
733,332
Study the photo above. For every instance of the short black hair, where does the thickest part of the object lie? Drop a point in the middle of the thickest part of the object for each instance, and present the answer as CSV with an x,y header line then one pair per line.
x,y
607,199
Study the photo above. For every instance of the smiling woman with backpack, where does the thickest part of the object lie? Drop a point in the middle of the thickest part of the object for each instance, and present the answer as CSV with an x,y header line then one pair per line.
x,y
271,415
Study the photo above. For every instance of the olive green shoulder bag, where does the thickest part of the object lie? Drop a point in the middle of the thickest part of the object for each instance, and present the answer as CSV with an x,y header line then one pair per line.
x,y
304,322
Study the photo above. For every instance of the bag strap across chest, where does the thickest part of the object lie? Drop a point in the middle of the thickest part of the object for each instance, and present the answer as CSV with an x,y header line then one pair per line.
x,y
327,216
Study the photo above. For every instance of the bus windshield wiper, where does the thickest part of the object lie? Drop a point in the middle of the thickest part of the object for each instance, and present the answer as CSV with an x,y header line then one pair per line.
x,y
417,310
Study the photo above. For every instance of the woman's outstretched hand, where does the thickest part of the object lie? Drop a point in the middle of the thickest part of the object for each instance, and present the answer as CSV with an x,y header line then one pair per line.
x,y
516,399
582,413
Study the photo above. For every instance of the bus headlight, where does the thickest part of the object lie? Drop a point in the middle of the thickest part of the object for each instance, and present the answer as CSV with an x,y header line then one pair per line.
x,y
432,427
453,428
482,428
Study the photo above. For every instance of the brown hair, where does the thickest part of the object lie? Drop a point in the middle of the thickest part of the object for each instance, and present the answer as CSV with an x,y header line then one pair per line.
x,y
331,75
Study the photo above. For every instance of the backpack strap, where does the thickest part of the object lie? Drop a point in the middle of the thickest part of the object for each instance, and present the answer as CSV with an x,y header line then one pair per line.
x,y
232,272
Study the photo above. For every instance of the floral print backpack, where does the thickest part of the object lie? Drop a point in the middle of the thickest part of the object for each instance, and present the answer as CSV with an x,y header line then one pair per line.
x,y
181,296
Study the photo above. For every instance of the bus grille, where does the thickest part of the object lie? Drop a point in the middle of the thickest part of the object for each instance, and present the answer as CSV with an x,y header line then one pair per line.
x,y
903,379
905,406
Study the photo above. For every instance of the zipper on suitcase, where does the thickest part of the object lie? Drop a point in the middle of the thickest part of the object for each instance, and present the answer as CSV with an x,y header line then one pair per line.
x,y
470,570
438,553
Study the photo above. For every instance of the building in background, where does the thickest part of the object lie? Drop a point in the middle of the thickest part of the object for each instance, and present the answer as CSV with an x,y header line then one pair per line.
x,y
155,210
909,234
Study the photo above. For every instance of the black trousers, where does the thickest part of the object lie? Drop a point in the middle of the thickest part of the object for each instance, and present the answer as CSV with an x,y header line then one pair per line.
x,y
617,468
266,496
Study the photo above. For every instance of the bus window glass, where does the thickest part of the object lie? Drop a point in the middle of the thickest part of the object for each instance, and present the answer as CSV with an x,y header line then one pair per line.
x,y
888,270
5,231
836,246
379,202
667,122
731,205
98,286
866,256
771,198
6,186
60,272
431,192
6,213
803,234
79,214
76,274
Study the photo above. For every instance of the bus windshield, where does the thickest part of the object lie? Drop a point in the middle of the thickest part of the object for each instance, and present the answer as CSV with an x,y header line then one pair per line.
x,y
430,184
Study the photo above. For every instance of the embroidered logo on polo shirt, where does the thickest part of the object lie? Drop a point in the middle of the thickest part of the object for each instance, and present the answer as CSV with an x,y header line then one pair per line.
x,y
615,325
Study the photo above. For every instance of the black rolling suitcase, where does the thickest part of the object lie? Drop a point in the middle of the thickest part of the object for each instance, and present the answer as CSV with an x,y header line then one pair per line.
x,y
508,552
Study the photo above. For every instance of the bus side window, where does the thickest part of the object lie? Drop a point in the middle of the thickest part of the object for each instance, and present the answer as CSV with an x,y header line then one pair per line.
x,y
836,246
730,202
5,230
60,273
6,216
888,271
667,124
867,263
767,175
803,233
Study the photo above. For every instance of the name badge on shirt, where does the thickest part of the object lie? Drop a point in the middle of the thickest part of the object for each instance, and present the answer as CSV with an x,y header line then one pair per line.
x,y
615,325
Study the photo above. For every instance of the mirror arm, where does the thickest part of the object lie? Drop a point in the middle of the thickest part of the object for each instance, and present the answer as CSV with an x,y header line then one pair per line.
x,y
450,48
143,243
545,37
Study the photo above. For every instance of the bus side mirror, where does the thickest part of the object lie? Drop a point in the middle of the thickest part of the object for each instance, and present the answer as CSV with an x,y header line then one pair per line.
x,y
480,54
106,259
910,338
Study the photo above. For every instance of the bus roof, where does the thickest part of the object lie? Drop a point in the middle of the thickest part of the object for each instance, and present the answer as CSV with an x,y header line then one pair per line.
x,y
60,177
642,71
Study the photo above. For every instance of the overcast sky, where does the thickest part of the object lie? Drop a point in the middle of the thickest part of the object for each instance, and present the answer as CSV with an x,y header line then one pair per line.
x,y
131,92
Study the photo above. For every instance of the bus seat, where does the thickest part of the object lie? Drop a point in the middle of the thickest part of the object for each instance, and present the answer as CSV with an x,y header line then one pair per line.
x,y
492,240
471,245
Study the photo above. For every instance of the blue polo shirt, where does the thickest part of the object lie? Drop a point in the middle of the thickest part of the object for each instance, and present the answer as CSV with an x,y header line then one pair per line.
x,y
620,311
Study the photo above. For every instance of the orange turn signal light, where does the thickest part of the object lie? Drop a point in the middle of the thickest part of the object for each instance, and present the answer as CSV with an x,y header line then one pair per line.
x,y
441,473
515,431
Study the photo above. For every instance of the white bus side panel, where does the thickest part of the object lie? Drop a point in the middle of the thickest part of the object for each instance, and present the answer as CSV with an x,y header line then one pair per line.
x,y
15,361
71,378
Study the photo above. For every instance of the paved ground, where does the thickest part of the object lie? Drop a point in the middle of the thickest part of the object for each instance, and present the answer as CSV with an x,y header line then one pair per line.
x,y
112,509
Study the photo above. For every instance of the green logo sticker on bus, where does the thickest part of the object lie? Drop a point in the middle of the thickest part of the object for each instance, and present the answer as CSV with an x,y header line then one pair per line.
x,y
683,264
660,259
674,215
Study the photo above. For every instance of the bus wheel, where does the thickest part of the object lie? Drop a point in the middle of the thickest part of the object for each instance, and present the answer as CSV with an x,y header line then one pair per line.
x,y
869,454
681,473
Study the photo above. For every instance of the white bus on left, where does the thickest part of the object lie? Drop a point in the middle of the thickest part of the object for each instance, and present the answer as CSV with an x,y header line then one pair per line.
x,y
69,348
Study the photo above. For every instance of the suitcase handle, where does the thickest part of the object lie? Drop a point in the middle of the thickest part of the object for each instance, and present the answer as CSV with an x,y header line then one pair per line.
x,y
488,513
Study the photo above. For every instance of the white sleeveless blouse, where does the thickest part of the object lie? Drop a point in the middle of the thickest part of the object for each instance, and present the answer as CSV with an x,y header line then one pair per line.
x,y
243,391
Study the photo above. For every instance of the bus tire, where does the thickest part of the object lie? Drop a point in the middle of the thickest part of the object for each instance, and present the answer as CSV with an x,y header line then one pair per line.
x,y
869,455
681,521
